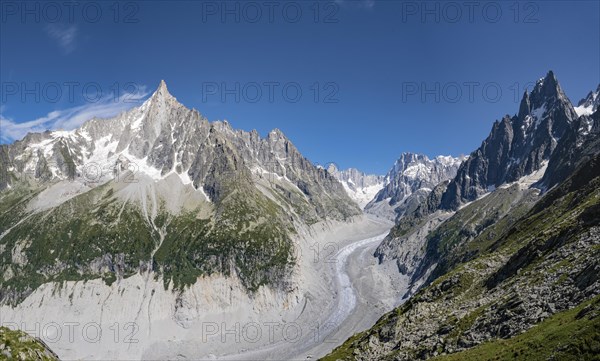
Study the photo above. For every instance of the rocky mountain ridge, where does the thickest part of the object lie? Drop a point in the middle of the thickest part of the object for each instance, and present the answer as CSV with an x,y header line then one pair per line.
x,y
160,138
537,266
410,179
361,187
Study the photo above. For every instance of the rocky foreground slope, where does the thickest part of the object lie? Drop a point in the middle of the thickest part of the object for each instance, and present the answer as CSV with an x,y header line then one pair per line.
x,y
17,345
504,258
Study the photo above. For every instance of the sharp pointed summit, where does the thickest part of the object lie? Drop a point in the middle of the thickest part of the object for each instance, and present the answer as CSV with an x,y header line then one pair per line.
x,y
162,91
544,95
547,90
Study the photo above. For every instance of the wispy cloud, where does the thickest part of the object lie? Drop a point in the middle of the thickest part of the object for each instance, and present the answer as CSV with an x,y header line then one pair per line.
x,y
65,36
70,118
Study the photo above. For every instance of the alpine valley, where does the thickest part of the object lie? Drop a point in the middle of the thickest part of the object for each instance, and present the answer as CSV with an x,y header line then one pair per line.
x,y
161,231
157,234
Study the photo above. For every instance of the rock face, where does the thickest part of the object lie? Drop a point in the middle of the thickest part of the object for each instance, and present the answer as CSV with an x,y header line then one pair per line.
x,y
517,145
409,181
577,146
523,253
157,188
361,187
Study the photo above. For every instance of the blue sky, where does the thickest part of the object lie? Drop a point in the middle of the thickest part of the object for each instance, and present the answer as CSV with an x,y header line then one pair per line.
x,y
388,73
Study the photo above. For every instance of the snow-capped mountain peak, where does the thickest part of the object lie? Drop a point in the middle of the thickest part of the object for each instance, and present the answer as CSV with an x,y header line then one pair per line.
x,y
162,138
412,176
517,146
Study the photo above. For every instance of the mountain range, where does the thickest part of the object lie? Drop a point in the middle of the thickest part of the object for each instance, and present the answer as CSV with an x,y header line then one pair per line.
x,y
411,178
361,187
158,188
500,249
503,258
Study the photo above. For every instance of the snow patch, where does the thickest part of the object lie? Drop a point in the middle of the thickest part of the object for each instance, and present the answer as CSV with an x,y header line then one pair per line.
x,y
583,110
538,114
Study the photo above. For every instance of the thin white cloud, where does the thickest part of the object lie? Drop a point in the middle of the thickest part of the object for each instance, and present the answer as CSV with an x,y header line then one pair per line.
x,y
70,118
65,36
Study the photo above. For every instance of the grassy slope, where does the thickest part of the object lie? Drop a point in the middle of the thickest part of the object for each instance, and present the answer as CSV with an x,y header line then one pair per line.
x,y
17,345
246,236
60,243
567,335
471,230
249,238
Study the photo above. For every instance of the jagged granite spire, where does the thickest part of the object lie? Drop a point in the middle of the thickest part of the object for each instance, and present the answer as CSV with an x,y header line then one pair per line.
x,y
546,92
517,145
162,92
